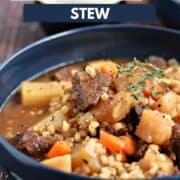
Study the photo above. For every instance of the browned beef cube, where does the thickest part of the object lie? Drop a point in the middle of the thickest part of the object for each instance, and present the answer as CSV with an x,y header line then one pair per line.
x,y
87,90
175,139
33,144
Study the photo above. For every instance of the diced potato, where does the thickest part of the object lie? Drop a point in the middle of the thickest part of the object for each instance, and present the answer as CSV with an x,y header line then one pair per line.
x,y
39,93
114,109
173,73
154,127
86,153
51,123
62,163
172,84
154,157
168,103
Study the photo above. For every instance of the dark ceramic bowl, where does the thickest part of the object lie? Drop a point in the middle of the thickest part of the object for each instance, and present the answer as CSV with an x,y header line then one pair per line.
x,y
169,12
106,41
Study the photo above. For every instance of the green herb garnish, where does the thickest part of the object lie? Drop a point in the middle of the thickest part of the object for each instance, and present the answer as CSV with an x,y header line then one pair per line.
x,y
148,71
136,96
155,93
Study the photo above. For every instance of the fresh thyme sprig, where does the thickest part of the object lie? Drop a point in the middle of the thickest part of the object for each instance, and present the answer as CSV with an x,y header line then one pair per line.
x,y
152,70
136,95
148,71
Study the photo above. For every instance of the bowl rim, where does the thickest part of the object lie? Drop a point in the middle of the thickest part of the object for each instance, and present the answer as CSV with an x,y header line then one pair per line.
x,y
86,29
21,157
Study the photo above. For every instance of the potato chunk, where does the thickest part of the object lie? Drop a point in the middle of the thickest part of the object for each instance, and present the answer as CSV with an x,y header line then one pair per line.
x,y
51,123
62,163
113,109
173,84
154,127
167,104
86,153
39,93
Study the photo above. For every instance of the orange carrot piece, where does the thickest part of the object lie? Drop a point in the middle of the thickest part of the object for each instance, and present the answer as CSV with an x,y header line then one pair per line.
x,y
147,92
109,69
106,67
154,86
58,149
112,143
130,145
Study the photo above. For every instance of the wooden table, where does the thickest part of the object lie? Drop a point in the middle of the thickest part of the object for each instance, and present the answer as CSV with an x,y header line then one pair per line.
x,y
14,34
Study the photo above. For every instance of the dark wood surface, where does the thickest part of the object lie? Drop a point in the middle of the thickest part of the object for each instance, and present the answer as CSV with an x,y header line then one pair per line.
x,y
14,34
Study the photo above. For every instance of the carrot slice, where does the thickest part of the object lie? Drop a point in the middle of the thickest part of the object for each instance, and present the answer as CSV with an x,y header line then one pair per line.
x,y
130,145
152,86
106,67
58,149
123,144
109,68
112,143
147,92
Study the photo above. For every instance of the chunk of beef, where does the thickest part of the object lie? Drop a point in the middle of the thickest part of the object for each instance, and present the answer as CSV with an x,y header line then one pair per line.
x,y
158,61
65,74
87,90
107,127
133,117
166,150
175,140
33,144
140,150
121,132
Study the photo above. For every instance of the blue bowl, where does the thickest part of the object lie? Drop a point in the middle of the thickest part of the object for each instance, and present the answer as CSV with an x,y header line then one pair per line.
x,y
105,41
169,12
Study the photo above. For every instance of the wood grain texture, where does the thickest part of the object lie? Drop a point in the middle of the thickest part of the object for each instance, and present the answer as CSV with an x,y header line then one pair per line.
x,y
14,34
